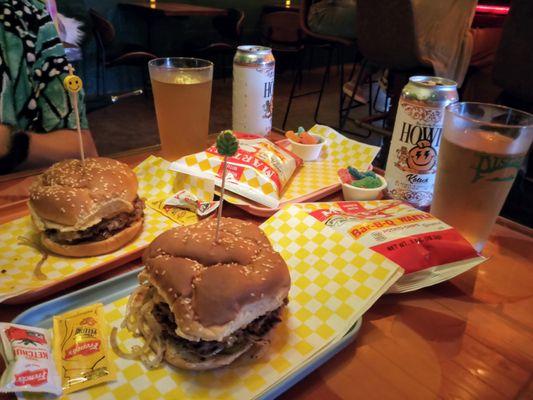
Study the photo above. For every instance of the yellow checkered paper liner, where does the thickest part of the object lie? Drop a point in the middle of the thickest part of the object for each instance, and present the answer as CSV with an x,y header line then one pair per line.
x,y
17,262
338,152
202,188
334,281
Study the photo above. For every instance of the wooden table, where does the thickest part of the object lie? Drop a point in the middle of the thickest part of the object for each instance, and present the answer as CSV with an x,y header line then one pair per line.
x,y
468,338
174,9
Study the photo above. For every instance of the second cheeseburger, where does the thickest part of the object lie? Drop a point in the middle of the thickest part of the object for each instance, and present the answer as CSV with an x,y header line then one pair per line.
x,y
86,209
201,304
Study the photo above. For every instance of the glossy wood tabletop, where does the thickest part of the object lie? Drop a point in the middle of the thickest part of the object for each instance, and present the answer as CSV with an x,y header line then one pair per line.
x,y
468,338
171,9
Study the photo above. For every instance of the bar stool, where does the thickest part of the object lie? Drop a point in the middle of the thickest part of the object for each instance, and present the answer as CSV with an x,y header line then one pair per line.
x,y
313,40
386,38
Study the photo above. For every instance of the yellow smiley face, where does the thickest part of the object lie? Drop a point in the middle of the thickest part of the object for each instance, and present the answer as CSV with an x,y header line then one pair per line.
x,y
73,83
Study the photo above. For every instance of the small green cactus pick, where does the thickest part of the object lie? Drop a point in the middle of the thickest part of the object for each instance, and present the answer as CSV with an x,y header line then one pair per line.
x,y
227,145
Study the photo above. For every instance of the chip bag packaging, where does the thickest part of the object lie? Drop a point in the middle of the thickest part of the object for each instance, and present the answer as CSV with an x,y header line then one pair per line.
x,y
259,171
429,250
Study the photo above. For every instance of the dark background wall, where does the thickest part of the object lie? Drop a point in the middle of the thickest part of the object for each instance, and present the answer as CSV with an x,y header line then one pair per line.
x,y
168,35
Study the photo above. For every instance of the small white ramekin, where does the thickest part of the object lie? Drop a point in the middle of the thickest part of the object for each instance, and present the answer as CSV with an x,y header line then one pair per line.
x,y
353,193
308,152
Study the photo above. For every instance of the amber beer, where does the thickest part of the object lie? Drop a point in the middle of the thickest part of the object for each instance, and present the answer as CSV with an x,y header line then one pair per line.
x,y
478,163
182,99
413,154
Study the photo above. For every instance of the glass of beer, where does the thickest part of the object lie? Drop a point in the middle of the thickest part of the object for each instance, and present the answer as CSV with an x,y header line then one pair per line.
x,y
483,147
182,98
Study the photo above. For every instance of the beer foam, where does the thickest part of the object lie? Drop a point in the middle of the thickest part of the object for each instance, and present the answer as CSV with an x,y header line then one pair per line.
x,y
486,142
180,77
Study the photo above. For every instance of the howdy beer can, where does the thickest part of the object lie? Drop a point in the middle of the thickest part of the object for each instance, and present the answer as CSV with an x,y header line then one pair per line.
x,y
412,160
253,89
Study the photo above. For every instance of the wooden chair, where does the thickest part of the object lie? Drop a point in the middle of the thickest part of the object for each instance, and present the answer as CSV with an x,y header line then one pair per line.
x,y
221,51
111,52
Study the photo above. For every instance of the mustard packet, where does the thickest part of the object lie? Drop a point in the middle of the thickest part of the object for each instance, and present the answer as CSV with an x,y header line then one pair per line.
x,y
176,214
81,350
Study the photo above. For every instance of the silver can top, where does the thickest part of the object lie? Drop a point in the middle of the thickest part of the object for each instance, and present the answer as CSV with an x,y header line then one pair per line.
x,y
253,49
433,81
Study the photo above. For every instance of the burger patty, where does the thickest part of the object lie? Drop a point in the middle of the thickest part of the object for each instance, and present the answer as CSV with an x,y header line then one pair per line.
x,y
203,349
106,228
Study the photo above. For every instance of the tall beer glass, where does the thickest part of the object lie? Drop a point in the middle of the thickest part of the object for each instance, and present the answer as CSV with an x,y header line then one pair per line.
x,y
182,98
482,148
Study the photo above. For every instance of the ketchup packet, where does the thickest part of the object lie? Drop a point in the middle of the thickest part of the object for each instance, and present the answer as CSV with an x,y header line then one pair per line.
x,y
187,200
259,171
429,250
29,364
81,348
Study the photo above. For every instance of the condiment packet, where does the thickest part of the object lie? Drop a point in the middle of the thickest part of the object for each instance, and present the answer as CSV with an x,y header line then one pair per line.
x,y
81,348
29,364
187,200
259,171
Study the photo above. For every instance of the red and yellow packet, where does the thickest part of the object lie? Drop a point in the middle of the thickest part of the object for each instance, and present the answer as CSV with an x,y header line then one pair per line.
x,y
29,364
259,170
81,348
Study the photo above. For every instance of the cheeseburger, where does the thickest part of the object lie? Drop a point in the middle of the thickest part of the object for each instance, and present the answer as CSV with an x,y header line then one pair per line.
x,y
203,305
86,209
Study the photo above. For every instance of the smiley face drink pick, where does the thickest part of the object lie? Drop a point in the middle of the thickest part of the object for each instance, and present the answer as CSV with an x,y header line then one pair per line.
x,y
227,145
73,84
29,363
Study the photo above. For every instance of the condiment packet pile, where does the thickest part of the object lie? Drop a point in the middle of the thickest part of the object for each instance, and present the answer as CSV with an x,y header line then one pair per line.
x,y
429,250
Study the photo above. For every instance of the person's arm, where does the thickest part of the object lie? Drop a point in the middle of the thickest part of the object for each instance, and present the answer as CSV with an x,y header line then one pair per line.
x,y
45,149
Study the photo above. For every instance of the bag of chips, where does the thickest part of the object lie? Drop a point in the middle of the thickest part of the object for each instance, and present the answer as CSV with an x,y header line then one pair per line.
x,y
429,250
259,171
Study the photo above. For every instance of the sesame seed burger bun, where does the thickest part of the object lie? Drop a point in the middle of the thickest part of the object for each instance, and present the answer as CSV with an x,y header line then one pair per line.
x,y
203,304
72,197
90,249
215,289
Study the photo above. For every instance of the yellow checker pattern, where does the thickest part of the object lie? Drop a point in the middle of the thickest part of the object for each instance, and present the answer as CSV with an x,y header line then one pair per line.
x,y
209,165
17,262
329,292
339,152
202,188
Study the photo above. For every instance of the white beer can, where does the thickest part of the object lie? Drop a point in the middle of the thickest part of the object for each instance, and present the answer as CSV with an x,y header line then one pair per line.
x,y
412,161
253,89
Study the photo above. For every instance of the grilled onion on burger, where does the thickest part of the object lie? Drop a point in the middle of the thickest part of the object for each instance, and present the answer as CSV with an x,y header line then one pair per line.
x,y
202,305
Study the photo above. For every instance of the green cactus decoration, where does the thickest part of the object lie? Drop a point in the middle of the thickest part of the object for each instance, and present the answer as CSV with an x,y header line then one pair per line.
x,y
227,145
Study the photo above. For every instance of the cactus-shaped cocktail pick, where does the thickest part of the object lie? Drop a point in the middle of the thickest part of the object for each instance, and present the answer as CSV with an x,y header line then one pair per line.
x,y
73,85
227,145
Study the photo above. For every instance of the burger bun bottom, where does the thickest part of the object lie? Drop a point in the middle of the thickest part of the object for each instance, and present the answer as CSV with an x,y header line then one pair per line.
x,y
248,354
90,249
